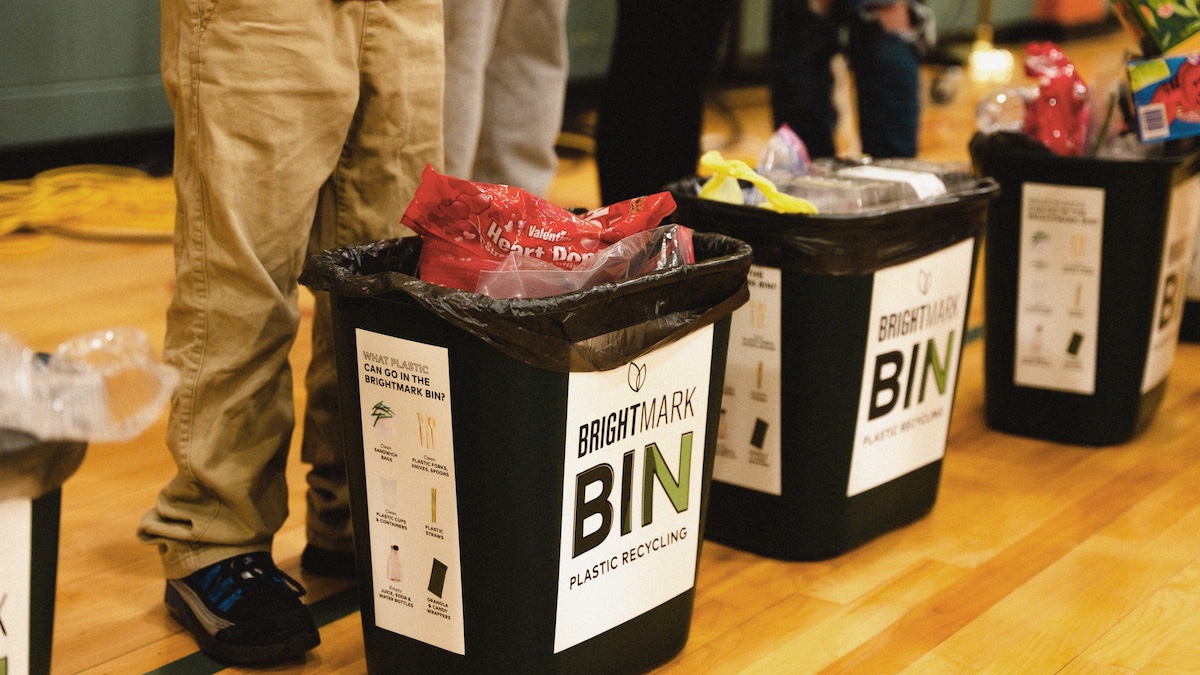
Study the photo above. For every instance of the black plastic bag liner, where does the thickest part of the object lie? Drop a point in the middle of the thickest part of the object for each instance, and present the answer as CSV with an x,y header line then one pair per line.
x,y
837,244
597,328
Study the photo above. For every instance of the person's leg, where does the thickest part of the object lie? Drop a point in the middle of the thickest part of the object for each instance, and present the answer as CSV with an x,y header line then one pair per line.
x,y
264,94
884,56
261,116
803,40
652,107
396,131
523,99
470,42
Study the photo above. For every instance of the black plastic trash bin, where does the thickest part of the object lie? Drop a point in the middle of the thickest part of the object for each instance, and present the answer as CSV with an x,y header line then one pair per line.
x,y
1189,329
842,369
31,476
1084,284
528,477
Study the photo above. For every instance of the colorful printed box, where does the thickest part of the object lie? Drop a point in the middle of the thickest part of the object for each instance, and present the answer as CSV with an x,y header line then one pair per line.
x,y
1161,26
1166,96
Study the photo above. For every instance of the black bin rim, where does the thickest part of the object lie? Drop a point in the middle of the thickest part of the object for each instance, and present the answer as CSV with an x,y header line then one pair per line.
x,y
842,244
564,332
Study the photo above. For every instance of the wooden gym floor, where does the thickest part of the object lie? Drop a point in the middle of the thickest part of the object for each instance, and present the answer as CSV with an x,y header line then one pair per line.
x,y
1038,557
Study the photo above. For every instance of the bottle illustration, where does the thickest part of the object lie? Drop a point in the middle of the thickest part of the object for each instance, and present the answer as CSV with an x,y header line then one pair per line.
x,y
393,564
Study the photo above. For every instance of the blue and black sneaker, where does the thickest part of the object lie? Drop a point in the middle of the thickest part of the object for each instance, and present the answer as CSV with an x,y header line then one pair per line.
x,y
244,610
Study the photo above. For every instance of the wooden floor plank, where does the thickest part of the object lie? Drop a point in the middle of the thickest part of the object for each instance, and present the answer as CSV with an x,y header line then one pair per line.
x,y
1167,619
1089,589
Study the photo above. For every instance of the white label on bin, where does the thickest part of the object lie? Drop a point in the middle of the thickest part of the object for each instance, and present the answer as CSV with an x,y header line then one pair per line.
x,y
918,317
1058,287
408,452
748,445
632,487
1182,218
16,522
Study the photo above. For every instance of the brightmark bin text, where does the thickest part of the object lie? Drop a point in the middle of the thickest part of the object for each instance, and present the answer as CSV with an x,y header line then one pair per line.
x,y
635,419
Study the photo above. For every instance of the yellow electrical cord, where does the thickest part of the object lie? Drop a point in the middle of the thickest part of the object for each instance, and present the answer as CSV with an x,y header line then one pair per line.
x,y
89,200
17,241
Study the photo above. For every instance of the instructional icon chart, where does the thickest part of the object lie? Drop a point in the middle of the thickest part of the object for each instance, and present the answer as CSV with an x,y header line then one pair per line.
x,y
408,453
748,442
1058,288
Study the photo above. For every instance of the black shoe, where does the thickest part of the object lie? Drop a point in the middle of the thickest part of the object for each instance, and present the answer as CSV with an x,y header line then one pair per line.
x,y
244,610
328,563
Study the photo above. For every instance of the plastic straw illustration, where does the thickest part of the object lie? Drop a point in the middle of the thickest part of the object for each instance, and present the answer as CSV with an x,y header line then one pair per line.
x,y
725,169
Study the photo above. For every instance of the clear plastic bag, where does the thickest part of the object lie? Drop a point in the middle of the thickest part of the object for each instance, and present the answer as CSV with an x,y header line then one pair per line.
x,y
784,156
104,386
521,276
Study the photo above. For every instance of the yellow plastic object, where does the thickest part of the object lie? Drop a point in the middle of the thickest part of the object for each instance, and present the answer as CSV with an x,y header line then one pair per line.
x,y
725,169
718,189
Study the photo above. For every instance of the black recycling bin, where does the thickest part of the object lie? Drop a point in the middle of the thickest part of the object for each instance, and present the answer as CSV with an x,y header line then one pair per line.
x,y
841,370
1189,328
528,477
1084,285
31,476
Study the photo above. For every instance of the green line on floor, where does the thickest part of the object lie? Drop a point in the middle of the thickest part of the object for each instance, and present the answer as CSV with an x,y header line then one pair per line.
x,y
973,333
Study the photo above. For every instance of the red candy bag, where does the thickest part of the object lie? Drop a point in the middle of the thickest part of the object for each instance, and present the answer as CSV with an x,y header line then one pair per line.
x,y
1058,116
469,227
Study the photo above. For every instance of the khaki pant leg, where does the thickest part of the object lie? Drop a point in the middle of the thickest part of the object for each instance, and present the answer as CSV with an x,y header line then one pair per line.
x,y
264,93
397,130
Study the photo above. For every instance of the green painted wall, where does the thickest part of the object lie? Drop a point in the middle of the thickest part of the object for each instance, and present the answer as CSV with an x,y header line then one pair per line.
x,y
77,69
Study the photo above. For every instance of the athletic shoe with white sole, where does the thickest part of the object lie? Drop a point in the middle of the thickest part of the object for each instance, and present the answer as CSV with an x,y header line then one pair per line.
x,y
243,610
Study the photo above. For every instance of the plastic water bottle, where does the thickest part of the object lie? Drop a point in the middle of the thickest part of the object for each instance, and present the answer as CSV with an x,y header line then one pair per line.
x,y
105,386
1004,110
